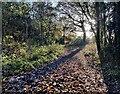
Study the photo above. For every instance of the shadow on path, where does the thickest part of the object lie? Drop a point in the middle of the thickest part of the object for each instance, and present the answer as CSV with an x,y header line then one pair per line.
x,y
55,64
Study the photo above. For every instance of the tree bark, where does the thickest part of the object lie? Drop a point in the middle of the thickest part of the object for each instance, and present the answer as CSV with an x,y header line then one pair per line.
x,y
97,27
84,32
26,35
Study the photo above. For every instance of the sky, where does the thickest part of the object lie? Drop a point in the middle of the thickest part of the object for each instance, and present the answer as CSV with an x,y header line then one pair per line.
x,y
88,34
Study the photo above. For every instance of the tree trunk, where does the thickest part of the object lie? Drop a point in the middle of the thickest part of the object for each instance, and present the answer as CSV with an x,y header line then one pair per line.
x,y
64,28
84,33
104,26
26,35
97,27
118,31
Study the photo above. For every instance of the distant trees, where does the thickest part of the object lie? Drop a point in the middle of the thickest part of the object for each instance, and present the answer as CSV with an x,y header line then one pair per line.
x,y
43,25
73,12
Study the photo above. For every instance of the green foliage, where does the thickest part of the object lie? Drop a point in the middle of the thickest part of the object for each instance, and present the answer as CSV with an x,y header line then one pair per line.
x,y
92,56
20,26
9,37
29,58
88,53
15,16
112,72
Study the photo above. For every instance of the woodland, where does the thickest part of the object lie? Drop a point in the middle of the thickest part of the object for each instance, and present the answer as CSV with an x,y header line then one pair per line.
x,y
43,53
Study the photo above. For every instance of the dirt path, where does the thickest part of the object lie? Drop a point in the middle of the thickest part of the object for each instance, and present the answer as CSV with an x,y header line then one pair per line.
x,y
70,73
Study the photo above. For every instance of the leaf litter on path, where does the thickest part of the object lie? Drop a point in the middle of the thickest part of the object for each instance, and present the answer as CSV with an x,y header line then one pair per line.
x,y
71,76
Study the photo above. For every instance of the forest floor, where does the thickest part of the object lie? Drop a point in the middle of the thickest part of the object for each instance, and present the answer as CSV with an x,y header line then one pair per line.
x,y
72,72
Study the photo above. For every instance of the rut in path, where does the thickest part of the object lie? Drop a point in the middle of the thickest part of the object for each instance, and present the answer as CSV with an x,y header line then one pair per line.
x,y
70,73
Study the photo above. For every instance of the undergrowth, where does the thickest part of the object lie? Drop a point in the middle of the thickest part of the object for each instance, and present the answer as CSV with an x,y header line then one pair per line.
x,y
26,58
111,73
90,51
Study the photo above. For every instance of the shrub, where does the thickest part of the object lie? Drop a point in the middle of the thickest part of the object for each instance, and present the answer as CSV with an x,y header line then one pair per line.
x,y
90,50
29,58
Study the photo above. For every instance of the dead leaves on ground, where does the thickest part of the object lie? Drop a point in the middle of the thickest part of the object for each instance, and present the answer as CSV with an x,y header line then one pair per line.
x,y
72,76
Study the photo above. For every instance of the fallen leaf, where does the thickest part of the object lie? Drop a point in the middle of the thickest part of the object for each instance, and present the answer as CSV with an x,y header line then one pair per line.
x,y
66,90
54,83
48,89
39,89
